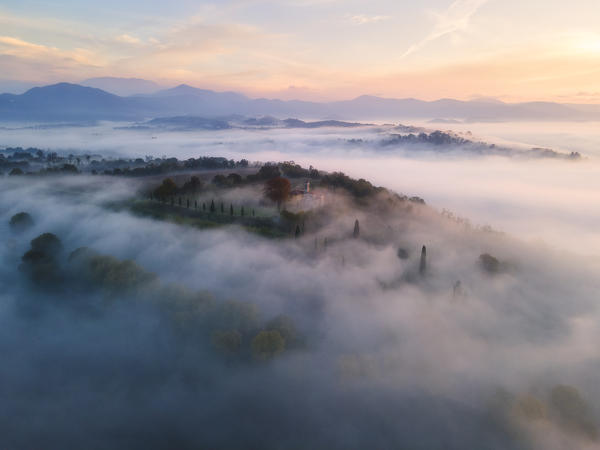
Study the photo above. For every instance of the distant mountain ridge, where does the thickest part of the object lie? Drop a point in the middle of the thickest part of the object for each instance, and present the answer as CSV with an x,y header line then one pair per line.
x,y
73,102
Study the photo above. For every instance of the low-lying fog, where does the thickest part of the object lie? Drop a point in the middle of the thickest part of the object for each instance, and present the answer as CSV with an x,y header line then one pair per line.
x,y
380,351
391,359
542,200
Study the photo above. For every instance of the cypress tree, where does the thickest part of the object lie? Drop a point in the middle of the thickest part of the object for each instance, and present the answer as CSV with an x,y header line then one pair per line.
x,y
222,208
188,203
356,233
423,262
242,211
212,206
203,206
252,212
231,209
297,233
195,204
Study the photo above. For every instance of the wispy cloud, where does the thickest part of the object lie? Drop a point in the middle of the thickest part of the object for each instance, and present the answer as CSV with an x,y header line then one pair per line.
x,y
128,39
363,19
20,48
455,18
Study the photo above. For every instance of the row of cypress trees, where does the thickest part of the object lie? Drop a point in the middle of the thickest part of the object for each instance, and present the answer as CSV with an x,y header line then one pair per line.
x,y
212,208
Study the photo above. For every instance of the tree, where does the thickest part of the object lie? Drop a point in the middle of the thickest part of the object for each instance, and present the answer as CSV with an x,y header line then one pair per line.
x,y
297,232
242,211
48,243
41,261
188,203
572,411
21,221
231,209
267,344
286,328
423,262
212,206
222,208
168,188
489,263
356,233
15,171
268,171
194,185
277,190
203,206
234,179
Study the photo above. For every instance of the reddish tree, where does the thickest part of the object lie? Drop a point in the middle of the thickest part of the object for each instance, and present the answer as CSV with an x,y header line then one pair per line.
x,y
278,190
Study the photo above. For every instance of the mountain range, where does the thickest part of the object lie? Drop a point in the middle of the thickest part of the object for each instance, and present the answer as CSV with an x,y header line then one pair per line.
x,y
77,103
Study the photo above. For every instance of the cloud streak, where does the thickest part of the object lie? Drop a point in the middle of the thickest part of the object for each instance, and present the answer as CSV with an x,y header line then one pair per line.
x,y
454,19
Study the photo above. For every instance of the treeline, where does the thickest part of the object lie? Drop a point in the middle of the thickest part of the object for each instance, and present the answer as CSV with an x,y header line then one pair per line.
x,y
433,138
37,161
450,141
139,167
357,188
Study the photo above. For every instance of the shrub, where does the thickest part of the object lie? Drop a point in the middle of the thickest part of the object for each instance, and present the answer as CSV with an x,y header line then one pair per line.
x,y
21,221
267,345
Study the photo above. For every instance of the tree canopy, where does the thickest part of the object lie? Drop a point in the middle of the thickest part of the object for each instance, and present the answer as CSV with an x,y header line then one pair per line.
x,y
277,190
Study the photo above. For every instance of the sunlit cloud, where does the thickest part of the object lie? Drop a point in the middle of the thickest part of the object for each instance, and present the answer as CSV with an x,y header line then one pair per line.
x,y
128,39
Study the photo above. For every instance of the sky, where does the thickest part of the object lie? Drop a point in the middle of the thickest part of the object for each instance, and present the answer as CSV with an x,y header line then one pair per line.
x,y
512,50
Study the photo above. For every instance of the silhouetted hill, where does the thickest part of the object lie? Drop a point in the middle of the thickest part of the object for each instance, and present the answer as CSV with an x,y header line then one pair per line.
x,y
72,102
65,101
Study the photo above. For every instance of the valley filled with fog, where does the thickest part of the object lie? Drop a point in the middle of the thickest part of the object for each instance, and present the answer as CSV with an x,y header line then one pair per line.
x,y
545,200
144,313
299,225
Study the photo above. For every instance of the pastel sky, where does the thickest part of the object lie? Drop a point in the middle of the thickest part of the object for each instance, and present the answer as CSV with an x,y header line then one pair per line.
x,y
513,50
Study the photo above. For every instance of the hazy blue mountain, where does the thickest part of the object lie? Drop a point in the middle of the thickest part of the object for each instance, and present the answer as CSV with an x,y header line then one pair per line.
x,y
123,86
184,99
297,123
64,101
73,102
